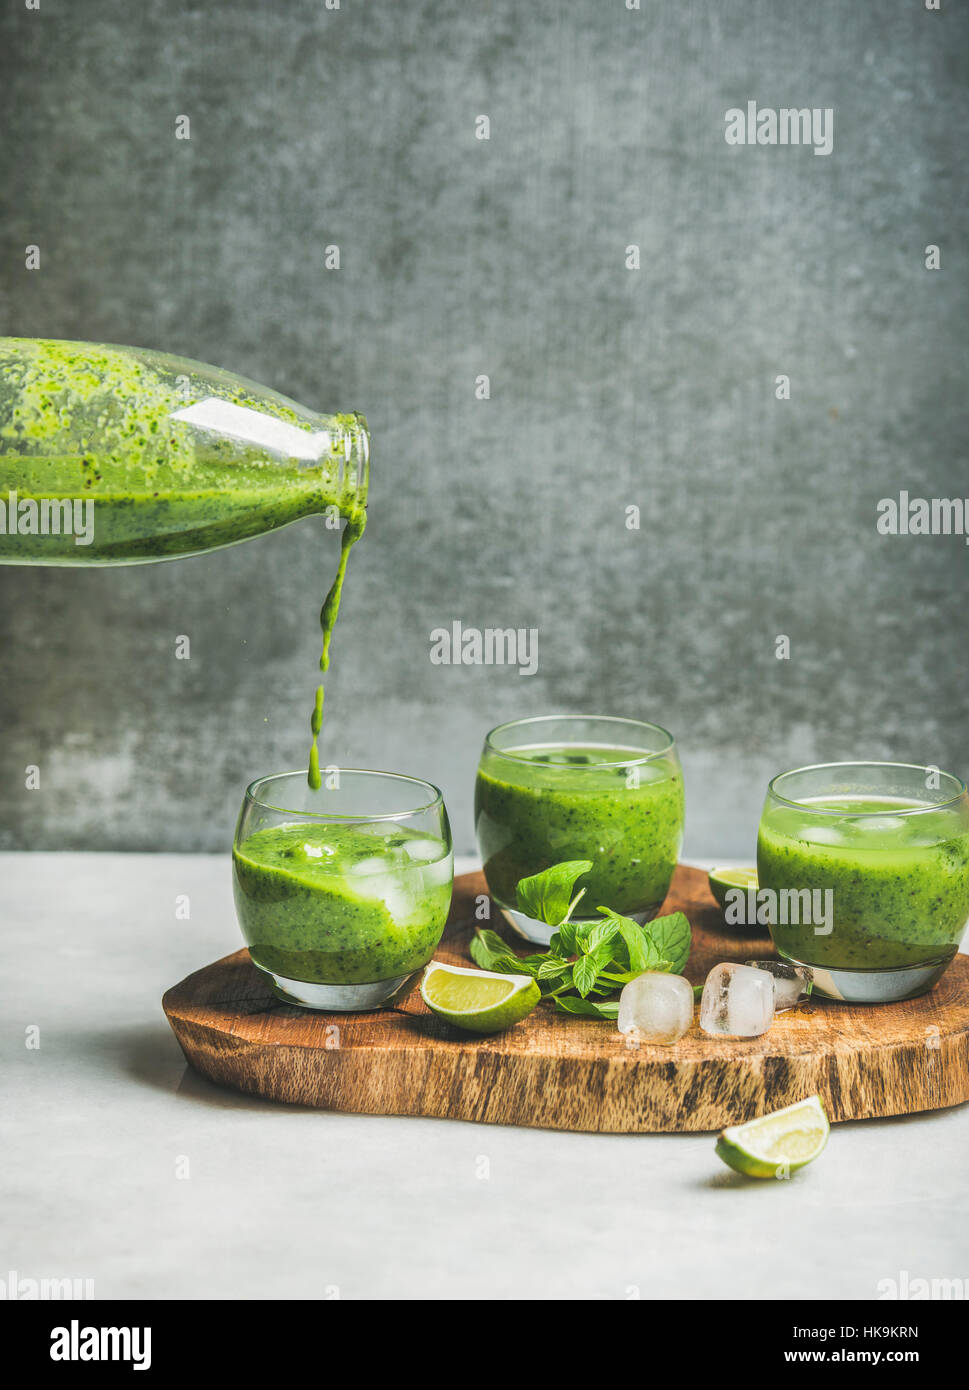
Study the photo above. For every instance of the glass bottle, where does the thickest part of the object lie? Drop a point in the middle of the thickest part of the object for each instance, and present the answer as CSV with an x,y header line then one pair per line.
x,y
120,455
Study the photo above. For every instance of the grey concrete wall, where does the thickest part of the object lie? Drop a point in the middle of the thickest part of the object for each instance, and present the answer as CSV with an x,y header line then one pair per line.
x,y
609,387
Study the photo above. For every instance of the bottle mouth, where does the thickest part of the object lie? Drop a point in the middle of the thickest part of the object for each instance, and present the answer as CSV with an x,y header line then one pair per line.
x,y
352,449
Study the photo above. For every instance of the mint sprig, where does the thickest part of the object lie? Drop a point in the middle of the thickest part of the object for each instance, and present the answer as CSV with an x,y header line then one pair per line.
x,y
586,962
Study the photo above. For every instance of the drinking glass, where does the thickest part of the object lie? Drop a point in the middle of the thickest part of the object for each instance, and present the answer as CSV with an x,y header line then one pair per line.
x,y
866,867
342,893
559,787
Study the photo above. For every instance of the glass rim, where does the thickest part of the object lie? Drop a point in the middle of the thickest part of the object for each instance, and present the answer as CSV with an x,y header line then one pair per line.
x,y
436,800
865,815
644,757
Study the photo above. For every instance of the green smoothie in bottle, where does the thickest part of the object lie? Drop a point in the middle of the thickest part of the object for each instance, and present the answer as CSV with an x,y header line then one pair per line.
x,y
118,455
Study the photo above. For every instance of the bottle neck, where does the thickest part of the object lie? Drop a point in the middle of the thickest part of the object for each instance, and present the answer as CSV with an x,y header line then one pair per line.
x,y
334,451
347,451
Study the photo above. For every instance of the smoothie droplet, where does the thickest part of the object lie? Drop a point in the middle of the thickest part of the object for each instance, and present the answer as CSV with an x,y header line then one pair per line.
x,y
316,723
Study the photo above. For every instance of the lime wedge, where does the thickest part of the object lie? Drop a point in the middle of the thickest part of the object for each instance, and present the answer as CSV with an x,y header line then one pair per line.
x,y
479,1000
776,1145
722,879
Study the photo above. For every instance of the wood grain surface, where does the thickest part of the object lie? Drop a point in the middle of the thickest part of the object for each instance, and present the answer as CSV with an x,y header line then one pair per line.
x,y
561,1072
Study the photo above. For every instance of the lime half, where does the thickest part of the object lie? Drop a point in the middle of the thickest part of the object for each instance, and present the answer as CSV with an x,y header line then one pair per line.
x,y
722,879
776,1145
479,1000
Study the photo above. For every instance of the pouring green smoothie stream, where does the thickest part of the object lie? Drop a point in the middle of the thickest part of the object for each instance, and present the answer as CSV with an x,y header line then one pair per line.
x,y
328,615
116,455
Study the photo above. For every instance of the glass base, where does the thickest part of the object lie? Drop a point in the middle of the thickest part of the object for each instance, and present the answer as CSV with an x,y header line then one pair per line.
x,y
335,998
873,986
540,933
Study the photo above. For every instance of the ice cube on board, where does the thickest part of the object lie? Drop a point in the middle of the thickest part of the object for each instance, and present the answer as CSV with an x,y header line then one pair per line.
x,y
790,981
656,1007
737,1001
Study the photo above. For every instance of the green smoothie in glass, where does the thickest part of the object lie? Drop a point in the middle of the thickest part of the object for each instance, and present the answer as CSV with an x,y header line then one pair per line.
x,y
889,843
580,787
340,905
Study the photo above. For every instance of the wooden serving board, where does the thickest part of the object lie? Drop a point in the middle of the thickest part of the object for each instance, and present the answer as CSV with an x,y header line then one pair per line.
x,y
560,1072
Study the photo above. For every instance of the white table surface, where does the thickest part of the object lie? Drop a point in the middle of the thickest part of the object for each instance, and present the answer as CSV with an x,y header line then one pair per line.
x,y
281,1202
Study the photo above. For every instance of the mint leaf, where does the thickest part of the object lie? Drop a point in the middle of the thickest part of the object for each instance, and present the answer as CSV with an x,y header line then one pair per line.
x,y
602,934
486,947
601,955
673,939
644,952
558,984
547,896
551,967
491,953
634,938
565,942
606,1008
583,930
584,973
